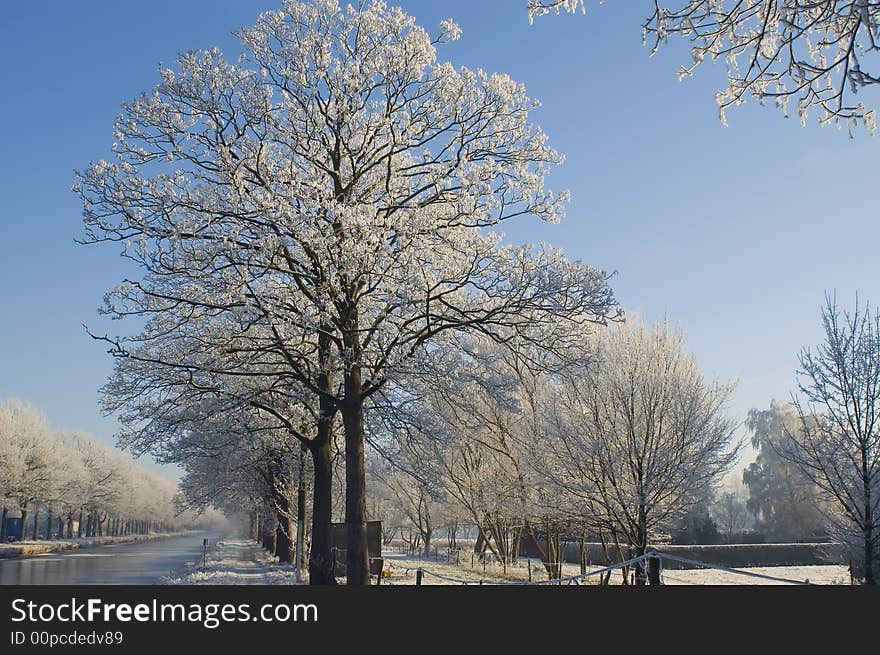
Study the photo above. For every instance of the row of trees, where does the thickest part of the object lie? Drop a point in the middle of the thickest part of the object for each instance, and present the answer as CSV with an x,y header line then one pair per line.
x,y
630,448
80,487
616,441
815,476
617,446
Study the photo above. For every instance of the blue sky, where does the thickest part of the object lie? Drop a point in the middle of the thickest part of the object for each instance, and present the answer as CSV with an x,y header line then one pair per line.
x,y
734,234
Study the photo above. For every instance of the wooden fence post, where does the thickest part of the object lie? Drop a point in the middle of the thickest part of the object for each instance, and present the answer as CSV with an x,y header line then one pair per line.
x,y
655,568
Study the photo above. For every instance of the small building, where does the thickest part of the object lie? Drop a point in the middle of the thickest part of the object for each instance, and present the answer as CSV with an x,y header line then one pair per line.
x,y
374,546
13,528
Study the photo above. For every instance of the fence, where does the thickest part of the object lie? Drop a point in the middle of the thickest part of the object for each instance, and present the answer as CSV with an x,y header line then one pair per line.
x,y
651,564
734,555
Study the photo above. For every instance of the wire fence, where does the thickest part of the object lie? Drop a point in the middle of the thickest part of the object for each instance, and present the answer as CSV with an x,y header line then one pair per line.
x,y
643,560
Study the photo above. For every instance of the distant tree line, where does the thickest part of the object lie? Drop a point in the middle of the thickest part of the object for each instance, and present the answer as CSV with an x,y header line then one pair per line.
x,y
67,485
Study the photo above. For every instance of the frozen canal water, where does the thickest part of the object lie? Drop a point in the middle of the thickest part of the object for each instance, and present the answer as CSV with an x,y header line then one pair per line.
x,y
142,562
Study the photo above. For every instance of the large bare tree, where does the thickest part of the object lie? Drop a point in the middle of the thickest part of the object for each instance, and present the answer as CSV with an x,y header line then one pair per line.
x,y
837,445
340,184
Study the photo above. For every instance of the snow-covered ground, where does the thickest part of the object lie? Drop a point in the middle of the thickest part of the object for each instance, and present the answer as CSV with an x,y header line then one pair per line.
x,y
244,562
238,562
832,574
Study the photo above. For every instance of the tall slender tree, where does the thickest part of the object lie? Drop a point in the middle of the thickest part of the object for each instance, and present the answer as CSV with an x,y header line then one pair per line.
x,y
837,444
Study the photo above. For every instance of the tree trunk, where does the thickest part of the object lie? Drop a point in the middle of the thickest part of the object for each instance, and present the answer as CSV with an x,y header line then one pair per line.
x,y
625,570
35,535
869,520
284,526
641,543
79,525
3,526
269,534
549,557
655,570
24,513
300,515
49,519
357,568
426,536
321,553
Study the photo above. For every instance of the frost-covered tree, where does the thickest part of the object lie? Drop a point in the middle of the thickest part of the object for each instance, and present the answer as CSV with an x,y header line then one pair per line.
x,y
339,184
837,443
238,459
414,501
29,460
731,513
75,479
73,485
114,494
445,430
105,483
465,426
818,54
640,434
188,380
784,502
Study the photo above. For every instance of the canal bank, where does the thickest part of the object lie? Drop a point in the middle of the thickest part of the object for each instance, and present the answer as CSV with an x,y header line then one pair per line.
x,y
33,548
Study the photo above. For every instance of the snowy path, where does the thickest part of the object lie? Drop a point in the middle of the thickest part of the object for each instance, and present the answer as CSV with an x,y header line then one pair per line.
x,y
238,562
